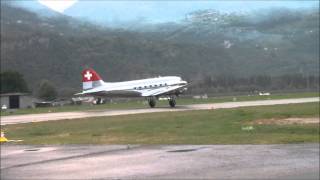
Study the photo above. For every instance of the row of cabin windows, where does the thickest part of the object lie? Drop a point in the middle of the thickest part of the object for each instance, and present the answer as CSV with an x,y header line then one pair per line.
x,y
145,87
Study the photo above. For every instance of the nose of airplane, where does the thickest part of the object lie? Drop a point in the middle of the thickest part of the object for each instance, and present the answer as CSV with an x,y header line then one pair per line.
x,y
183,82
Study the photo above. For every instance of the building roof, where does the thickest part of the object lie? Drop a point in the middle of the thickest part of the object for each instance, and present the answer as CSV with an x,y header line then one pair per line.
x,y
15,94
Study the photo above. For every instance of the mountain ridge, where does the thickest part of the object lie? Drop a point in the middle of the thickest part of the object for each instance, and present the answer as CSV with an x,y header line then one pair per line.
x,y
58,48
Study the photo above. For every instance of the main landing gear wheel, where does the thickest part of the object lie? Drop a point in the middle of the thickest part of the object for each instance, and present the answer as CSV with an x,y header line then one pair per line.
x,y
152,102
172,102
99,101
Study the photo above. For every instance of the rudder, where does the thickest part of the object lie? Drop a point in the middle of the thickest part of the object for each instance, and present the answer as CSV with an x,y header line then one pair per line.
x,y
90,79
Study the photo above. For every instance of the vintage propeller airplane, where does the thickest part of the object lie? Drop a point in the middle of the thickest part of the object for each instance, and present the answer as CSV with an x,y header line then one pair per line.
x,y
151,89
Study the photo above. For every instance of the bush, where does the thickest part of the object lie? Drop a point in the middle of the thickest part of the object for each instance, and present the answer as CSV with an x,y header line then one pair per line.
x,y
47,91
12,81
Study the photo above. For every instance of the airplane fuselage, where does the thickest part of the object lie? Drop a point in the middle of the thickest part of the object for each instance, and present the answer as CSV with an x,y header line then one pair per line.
x,y
128,88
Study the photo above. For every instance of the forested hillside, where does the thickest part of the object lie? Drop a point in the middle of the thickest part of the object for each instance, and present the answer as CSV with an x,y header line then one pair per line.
x,y
210,49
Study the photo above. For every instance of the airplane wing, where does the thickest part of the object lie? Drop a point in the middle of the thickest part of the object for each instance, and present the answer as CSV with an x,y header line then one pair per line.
x,y
134,93
160,91
116,93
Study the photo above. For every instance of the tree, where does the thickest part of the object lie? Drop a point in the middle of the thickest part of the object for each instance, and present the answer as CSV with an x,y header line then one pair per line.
x,y
12,81
47,91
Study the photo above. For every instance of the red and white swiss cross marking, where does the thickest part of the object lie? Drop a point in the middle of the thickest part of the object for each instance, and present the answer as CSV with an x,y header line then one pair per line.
x,y
88,75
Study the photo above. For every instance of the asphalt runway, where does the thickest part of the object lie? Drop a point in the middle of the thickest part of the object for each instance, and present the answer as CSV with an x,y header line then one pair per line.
x,y
16,119
295,161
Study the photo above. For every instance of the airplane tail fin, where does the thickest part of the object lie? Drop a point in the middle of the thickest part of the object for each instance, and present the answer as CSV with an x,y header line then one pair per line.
x,y
91,79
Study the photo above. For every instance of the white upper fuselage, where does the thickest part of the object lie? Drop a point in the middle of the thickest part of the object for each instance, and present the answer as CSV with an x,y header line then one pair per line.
x,y
143,87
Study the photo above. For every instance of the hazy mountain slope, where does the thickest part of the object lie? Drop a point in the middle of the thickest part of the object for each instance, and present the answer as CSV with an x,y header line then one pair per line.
x,y
274,41
58,48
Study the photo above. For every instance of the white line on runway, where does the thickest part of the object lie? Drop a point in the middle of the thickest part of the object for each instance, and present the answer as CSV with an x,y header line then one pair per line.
x,y
17,119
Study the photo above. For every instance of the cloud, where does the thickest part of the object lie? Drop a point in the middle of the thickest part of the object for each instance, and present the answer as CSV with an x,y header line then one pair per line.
x,y
58,5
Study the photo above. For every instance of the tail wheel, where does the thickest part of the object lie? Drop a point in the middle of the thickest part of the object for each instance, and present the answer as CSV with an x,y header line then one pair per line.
x,y
99,101
172,103
152,102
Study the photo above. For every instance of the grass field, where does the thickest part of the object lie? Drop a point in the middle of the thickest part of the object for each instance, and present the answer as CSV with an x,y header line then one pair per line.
x,y
142,104
222,126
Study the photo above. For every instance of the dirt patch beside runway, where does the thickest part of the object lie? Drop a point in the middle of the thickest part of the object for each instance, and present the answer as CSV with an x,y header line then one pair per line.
x,y
313,120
